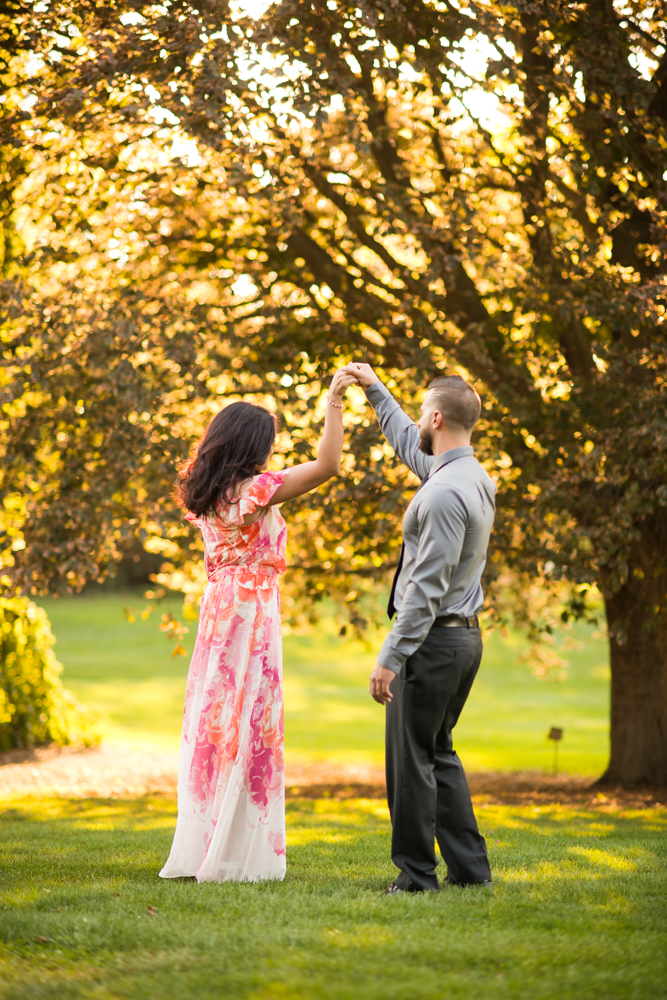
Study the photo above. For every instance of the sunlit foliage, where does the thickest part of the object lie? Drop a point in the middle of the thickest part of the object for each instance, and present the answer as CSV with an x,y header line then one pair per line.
x,y
34,706
215,205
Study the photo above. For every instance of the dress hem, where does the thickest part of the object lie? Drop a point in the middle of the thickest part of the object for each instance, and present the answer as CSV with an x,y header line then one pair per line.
x,y
278,877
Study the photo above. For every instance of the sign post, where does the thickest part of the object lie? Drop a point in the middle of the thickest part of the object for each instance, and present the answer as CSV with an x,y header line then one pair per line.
x,y
556,735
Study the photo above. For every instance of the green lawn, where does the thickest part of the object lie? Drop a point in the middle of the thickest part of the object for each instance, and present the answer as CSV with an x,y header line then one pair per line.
x,y
127,672
580,910
580,904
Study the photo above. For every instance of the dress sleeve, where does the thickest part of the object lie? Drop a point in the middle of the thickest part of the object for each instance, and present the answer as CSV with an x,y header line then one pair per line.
x,y
257,494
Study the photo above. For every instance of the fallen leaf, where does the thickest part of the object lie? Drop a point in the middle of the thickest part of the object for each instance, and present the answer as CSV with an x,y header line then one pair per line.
x,y
42,939
151,910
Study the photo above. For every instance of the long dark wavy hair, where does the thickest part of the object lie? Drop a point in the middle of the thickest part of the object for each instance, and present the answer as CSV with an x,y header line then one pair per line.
x,y
236,443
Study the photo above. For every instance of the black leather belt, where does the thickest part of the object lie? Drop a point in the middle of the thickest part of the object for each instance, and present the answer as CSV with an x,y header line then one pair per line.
x,y
457,621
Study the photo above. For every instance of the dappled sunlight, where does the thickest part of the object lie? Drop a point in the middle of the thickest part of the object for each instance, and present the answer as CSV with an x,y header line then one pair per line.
x,y
605,859
90,814
569,872
569,819
298,838
326,821
352,812
80,882
113,833
543,872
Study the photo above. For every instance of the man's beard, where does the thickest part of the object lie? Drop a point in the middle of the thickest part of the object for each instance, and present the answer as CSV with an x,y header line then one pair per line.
x,y
426,441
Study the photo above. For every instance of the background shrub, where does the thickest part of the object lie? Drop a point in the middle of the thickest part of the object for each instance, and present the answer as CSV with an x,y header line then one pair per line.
x,y
34,706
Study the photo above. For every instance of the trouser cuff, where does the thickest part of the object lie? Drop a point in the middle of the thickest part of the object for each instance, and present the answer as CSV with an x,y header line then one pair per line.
x,y
421,879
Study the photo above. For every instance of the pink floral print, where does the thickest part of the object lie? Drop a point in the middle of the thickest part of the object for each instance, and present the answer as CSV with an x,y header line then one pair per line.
x,y
231,799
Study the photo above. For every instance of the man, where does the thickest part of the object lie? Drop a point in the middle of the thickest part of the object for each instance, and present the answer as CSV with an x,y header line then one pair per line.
x,y
428,662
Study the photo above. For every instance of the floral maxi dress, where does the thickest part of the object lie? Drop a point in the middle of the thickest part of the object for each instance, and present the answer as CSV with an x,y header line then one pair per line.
x,y
231,795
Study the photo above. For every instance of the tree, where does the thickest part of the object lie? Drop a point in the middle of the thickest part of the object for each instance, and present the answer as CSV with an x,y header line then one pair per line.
x,y
473,187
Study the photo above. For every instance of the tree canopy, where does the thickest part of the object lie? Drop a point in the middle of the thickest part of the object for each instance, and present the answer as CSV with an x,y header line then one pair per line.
x,y
201,204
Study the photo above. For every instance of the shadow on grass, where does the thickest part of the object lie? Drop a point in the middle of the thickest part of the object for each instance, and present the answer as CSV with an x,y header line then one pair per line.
x,y
569,821
67,842
84,913
340,846
79,810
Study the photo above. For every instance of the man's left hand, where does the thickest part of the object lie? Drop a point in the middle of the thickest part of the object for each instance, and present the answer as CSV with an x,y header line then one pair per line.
x,y
381,678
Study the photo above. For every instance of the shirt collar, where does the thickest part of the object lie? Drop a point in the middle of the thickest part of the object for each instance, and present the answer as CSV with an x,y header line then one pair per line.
x,y
451,456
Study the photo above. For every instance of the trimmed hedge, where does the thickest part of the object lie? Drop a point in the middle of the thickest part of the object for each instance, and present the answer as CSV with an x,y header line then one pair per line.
x,y
34,706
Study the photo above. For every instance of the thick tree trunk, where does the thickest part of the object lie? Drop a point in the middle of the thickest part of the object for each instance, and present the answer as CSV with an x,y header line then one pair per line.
x,y
637,620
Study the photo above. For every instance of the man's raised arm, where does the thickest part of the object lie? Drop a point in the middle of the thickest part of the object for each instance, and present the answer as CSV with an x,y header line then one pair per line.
x,y
400,431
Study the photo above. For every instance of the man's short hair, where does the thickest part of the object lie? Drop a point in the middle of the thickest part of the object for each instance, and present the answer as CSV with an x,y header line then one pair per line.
x,y
457,401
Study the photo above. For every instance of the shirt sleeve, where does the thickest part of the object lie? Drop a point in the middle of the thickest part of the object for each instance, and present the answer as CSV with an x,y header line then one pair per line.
x,y
400,431
442,526
256,495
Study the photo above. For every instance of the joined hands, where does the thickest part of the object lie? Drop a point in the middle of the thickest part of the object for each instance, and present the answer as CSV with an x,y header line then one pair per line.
x,y
340,383
363,374
352,374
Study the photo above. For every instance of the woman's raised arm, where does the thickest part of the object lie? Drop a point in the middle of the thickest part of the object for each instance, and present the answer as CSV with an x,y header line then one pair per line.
x,y
306,477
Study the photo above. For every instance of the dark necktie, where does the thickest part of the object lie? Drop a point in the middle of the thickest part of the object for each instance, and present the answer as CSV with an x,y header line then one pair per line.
x,y
391,608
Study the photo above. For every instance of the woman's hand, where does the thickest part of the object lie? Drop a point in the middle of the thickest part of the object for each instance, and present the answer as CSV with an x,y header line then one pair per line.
x,y
340,383
304,478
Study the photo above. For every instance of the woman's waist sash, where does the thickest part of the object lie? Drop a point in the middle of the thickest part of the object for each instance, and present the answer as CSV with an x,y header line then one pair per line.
x,y
235,569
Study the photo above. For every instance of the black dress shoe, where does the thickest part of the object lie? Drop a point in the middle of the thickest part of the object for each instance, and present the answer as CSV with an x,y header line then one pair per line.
x,y
405,884
400,884
488,884
392,890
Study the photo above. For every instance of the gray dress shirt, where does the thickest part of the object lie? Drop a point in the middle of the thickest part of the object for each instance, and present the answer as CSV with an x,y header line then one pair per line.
x,y
446,532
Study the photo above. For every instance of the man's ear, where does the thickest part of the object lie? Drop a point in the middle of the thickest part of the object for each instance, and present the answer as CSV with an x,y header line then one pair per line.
x,y
436,418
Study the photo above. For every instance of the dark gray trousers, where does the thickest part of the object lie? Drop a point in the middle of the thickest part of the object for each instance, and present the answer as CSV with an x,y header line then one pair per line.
x,y
427,789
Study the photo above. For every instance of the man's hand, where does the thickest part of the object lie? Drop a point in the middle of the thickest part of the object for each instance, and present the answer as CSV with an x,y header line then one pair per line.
x,y
364,374
381,678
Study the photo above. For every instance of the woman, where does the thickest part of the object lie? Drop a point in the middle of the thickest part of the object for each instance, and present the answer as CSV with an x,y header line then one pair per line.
x,y
231,799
